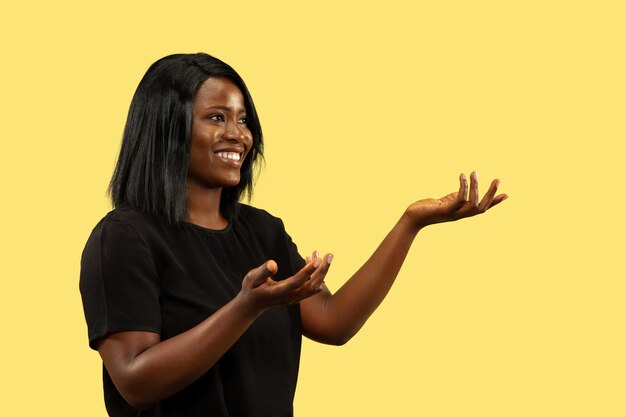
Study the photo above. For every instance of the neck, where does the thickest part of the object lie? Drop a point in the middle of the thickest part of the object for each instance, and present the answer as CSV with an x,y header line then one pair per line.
x,y
203,206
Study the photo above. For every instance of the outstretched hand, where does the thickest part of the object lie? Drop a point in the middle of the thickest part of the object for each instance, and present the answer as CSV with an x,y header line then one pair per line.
x,y
456,205
262,292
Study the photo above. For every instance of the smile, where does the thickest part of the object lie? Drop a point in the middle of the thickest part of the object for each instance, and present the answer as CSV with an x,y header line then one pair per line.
x,y
233,156
232,159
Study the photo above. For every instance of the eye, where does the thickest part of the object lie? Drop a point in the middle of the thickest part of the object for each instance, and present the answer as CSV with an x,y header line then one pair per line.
x,y
216,117
243,120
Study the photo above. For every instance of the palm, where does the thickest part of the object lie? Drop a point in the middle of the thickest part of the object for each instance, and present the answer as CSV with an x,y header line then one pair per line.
x,y
432,210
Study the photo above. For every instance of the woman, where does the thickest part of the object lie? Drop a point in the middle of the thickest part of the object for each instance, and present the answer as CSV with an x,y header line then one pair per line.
x,y
195,302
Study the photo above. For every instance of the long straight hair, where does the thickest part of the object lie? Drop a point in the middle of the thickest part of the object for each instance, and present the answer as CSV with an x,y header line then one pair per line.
x,y
151,170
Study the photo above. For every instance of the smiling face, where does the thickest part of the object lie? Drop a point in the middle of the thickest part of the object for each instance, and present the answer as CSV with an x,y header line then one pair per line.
x,y
220,138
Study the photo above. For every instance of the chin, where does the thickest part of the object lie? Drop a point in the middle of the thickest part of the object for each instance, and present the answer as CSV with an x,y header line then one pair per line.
x,y
232,182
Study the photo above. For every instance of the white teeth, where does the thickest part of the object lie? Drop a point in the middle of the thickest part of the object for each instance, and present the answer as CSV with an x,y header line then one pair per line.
x,y
235,156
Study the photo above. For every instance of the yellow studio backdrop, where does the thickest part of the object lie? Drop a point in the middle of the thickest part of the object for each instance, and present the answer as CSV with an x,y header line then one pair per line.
x,y
366,107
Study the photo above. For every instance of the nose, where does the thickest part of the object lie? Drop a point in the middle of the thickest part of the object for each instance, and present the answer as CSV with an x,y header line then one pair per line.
x,y
234,131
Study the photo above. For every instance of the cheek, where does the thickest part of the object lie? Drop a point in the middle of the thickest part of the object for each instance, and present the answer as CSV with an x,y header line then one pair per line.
x,y
249,140
201,144
200,154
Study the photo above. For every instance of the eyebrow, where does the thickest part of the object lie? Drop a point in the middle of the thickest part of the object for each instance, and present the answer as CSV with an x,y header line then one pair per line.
x,y
225,108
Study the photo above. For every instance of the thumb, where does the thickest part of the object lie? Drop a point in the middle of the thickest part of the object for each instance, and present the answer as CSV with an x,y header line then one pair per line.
x,y
258,275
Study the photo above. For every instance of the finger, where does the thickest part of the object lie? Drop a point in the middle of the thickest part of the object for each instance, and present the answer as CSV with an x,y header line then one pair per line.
x,y
462,194
316,255
302,276
313,256
259,275
305,292
315,285
487,199
473,192
317,278
499,199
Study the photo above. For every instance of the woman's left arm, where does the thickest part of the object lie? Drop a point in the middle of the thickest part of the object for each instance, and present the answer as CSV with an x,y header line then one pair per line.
x,y
335,318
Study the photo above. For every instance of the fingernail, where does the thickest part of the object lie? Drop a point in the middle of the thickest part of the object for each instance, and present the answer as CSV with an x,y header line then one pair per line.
x,y
317,263
497,183
316,254
329,258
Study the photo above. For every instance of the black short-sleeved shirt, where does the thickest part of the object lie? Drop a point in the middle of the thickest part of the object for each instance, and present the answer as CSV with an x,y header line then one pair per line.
x,y
140,273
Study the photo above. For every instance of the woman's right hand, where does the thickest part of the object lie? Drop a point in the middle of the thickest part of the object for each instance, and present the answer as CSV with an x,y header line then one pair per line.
x,y
261,292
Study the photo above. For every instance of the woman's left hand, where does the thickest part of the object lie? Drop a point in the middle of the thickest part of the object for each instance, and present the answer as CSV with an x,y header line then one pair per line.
x,y
454,206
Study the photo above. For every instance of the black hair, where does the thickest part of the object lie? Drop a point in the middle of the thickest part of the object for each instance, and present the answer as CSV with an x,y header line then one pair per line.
x,y
151,170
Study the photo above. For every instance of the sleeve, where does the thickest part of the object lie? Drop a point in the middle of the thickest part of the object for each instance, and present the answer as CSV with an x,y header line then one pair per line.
x,y
119,283
295,259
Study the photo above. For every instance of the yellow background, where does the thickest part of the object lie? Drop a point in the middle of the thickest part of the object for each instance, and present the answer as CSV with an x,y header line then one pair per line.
x,y
366,107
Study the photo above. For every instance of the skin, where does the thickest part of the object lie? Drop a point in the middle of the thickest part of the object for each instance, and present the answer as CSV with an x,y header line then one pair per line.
x,y
146,370
218,124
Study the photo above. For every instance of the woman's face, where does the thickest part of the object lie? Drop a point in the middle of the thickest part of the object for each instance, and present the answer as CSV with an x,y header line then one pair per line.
x,y
220,138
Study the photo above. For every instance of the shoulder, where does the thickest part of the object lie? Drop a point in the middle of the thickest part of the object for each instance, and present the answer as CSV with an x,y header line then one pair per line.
x,y
259,220
131,217
126,225
247,212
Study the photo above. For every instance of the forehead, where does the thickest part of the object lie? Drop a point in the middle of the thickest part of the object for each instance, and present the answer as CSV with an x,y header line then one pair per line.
x,y
219,91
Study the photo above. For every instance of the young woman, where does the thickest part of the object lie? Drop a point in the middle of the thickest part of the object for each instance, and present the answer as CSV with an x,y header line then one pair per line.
x,y
197,303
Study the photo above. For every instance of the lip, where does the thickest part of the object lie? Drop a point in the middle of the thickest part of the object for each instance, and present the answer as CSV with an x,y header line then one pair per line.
x,y
238,149
231,162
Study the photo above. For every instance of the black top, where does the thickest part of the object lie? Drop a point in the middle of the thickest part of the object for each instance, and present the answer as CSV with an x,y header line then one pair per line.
x,y
140,273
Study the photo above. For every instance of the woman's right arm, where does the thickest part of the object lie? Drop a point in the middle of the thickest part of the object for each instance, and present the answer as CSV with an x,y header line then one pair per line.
x,y
146,370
